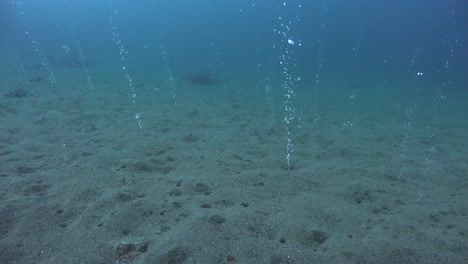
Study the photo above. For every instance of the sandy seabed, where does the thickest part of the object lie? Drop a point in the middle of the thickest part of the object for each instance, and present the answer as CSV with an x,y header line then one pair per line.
x,y
205,181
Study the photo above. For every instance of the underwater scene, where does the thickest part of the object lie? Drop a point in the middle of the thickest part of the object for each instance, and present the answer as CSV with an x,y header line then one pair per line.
x,y
249,131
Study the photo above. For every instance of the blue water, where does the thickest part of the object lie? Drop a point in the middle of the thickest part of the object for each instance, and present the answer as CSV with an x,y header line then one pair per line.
x,y
251,131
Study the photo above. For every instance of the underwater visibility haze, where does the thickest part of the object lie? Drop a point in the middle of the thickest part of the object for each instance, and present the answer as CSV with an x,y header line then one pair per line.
x,y
250,131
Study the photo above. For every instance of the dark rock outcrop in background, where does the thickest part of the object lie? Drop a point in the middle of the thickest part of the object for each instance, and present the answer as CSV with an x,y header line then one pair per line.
x,y
202,79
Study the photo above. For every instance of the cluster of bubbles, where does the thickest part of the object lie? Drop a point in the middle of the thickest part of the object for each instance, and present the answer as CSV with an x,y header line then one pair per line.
x,y
123,59
266,83
34,42
407,125
436,103
170,80
288,71
320,47
85,66
349,108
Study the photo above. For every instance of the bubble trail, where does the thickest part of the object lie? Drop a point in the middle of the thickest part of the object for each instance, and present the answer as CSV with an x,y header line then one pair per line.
x,y
288,72
34,42
123,59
